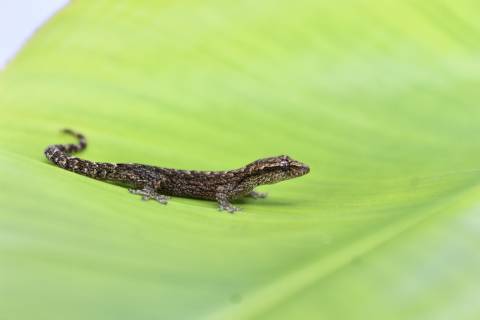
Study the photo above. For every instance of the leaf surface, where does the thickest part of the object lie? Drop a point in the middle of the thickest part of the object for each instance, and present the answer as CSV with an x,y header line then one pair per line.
x,y
379,98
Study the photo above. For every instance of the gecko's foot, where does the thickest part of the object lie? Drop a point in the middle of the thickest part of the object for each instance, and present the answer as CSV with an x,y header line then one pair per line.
x,y
257,195
149,193
228,207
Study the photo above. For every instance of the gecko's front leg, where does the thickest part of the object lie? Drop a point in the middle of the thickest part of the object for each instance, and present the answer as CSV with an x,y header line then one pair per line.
x,y
257,194
148,193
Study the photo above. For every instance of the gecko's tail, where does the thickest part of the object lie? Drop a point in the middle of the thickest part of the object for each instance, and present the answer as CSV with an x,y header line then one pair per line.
x,y
60,153
82,141
70,147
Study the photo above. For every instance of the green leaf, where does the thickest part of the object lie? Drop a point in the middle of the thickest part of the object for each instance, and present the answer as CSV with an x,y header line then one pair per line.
x,y
379,98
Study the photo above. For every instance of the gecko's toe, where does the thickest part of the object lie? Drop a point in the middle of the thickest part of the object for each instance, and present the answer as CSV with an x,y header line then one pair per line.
x,y
162,199
230,209
262,195
257,195
227,206
148,194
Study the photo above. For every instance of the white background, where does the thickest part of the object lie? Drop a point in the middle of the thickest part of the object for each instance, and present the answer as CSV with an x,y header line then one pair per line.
x,y
18,21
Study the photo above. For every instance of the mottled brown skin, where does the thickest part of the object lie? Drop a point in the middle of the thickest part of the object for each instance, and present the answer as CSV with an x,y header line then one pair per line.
x,y
158,183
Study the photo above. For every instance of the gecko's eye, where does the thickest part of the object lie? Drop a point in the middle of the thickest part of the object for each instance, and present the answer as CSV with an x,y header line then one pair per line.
x,y
284,165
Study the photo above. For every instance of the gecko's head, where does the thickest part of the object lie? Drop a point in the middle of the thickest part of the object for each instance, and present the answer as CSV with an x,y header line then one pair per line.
x,y
275,169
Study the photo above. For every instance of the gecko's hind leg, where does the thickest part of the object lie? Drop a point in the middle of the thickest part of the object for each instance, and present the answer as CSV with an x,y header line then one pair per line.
x,y
227,206
148,193
224,203
257,195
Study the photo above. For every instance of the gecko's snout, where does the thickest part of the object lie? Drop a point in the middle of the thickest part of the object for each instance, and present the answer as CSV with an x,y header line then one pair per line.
x,y
306,169
299,169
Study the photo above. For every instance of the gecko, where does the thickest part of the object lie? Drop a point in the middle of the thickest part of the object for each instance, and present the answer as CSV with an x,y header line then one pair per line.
x,y
158,183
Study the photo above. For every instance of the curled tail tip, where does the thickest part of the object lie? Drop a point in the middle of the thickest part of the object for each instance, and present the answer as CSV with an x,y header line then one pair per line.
x,y
68,131
70,148
74,133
